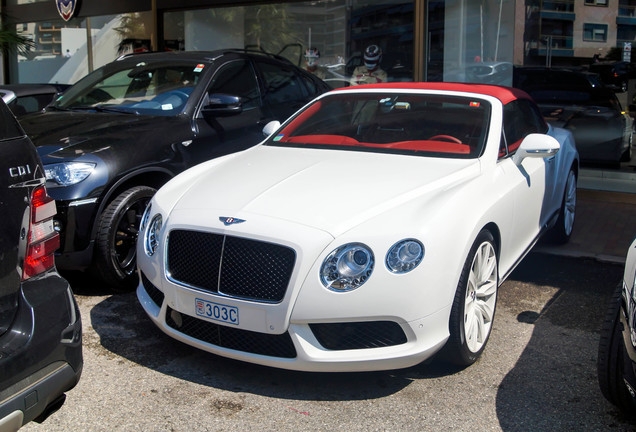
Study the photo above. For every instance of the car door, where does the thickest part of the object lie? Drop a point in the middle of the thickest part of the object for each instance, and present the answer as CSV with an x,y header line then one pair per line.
x,y
530,192
221,135
284,92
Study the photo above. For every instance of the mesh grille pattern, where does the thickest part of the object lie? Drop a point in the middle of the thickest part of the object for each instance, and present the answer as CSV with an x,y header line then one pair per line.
x,y
153,292
361,335
251,269
233,338
193,258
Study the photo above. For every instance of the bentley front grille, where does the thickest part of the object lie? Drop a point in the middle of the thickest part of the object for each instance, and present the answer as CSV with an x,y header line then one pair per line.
x,y
233,266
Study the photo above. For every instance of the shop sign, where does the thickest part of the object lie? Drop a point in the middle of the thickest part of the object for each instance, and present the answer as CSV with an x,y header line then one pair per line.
x,y
627,51
66,8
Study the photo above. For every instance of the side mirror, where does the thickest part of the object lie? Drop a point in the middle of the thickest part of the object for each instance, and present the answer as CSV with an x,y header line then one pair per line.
x,y
221,105
270,128
536,146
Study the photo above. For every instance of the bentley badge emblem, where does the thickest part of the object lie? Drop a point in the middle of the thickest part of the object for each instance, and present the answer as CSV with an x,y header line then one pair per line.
x,y
230,220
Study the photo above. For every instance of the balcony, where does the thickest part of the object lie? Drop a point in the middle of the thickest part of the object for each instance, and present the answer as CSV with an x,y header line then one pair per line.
x,y
626,15
558,6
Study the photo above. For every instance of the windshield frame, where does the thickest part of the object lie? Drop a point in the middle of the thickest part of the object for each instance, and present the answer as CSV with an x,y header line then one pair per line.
x,y
411,147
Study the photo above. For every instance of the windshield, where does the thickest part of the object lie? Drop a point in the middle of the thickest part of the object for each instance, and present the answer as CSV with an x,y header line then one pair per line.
x,y
416,124
140,89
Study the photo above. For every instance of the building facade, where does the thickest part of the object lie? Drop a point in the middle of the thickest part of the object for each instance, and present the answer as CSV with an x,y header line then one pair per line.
x,y
424,40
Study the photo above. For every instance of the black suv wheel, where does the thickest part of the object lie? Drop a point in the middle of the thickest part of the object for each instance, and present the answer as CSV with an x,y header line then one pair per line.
x,y
117,238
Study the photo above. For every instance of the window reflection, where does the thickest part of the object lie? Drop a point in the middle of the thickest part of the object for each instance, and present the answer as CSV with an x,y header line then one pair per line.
x,y
61,49
327,37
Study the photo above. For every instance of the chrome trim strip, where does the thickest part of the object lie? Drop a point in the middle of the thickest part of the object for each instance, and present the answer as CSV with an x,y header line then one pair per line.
x,y
82,202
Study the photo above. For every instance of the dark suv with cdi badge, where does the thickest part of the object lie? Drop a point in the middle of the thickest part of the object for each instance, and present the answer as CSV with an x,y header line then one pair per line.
x,y
40,327
124,130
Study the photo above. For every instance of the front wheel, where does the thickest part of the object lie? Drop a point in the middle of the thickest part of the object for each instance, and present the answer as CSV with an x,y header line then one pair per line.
x,y
610,362
473,309
116,252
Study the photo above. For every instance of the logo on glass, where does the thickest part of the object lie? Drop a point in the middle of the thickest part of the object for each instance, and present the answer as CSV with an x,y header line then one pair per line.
x,y
230,220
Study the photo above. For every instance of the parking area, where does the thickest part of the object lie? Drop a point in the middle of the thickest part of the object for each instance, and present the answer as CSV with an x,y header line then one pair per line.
x,y
537,373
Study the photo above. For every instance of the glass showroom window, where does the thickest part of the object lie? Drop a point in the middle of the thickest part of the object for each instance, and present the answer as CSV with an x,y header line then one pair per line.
x,y
340,30
61,49
470,41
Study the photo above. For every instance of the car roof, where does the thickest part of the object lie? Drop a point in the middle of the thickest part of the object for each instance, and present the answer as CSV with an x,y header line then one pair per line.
x,y
504,94
199,56
32,89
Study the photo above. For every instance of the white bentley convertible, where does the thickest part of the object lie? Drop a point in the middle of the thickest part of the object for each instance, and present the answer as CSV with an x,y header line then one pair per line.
x,y
369,231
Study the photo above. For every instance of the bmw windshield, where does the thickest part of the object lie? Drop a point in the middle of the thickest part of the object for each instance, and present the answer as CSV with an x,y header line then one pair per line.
x,y
402,123
161,89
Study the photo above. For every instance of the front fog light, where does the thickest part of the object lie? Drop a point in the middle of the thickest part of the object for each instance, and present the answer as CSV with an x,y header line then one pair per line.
x,y
151,236
347,267
404,256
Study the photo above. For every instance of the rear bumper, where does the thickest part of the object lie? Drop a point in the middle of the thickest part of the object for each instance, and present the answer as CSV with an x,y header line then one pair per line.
x,y
42,351
39,398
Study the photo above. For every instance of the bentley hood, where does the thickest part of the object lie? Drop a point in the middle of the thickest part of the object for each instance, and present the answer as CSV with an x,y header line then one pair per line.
x,y
325,189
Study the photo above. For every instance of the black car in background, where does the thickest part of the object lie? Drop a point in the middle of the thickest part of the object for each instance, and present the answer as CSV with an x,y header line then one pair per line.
x,y
27,98
616,362
614,74
580,102
40,326
124,130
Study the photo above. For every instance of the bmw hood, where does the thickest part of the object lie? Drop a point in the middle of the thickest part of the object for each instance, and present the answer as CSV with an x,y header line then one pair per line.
x,y
64,135
325,189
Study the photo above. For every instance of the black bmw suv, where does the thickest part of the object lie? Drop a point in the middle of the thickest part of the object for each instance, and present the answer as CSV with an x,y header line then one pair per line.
x,y
40,326
110,141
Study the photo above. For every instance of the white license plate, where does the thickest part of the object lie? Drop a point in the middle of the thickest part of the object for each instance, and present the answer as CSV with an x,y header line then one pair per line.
x,y
217,311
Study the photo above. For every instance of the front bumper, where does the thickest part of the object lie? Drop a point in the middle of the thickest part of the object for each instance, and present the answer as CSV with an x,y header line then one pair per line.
x,y
303,345
75,220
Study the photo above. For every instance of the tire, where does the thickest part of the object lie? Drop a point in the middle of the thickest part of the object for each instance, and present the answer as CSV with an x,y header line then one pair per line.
x,y
473,309
115,260
610,360
562,230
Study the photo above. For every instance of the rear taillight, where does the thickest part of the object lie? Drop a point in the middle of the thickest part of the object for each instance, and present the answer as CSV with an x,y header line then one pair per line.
x,y
43,240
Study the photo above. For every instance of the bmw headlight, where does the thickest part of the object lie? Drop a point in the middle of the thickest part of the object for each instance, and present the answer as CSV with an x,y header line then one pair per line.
x,y
151,235
347,267
404,256
68,173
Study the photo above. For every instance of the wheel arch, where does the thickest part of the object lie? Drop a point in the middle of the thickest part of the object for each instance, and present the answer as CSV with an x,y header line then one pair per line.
x,y
496,234
152,177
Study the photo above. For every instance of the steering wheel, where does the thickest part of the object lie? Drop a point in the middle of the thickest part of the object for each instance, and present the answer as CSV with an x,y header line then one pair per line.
x,y
446,138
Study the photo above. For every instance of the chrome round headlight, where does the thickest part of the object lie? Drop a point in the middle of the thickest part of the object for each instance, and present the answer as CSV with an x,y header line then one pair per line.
x,y
347,267
404,256
151,236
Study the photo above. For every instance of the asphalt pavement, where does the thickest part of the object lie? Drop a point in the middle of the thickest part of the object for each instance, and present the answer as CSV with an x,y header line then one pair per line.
x,y
604,227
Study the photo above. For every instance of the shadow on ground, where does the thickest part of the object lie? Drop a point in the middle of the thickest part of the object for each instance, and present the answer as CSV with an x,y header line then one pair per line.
x,y
553,385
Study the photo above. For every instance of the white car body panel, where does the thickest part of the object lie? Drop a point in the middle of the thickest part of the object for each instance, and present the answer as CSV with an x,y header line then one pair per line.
x,y
315,200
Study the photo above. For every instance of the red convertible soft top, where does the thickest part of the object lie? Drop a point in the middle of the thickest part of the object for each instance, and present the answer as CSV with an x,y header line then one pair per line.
x,y
504,94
